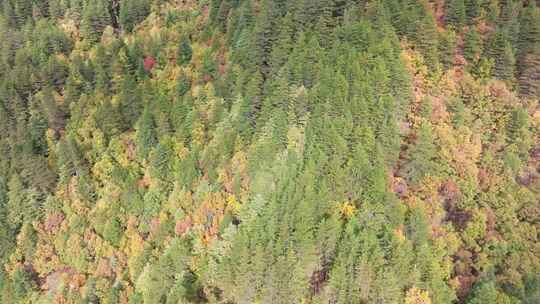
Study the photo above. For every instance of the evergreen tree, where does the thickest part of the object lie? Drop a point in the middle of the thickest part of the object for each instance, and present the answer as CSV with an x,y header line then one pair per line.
x,y
447,48
502,53
422,156
528,54
529,80
279,152
22,283
133,12
22,10
16,201
184,52
95,17
426,37
472,47
456,13
473,9
146,133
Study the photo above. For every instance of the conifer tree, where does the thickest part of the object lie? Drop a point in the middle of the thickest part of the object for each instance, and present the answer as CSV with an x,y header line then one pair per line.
x,y
447,48
502,53
472,45
95,17
422,155
473,8
529,80
146,133
184,52
528,54
16,201
426,37
456,13
22,10
133,12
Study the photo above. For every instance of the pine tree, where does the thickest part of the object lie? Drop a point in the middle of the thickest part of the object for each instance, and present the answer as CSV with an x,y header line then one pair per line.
x,y
184,52
57,8
146,134
133,12
528,55
422,159
245,22
456,13
8,13
529,80
518,123
22,283
473,8
209,66
95,17
183,85
472,45
529,34
16,202
502,53
447,48
130,100
426,37
22,10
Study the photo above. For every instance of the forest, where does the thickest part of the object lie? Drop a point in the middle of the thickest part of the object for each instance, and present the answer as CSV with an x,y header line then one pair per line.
x,y
270,151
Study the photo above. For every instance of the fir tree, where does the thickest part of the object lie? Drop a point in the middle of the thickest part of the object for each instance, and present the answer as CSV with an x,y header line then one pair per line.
x,y
422,155
473,8
133,12
447,48
184,52
426,37
456,13
146,133
95,17
502,53
472,45
528,54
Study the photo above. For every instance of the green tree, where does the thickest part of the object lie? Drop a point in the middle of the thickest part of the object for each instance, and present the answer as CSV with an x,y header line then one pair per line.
x,y
16,201
426,37
528,54
132,12
447,48
22,283
473,9
502,53
22,10
422,156
184,52
146,133
95,17
456,13
472,47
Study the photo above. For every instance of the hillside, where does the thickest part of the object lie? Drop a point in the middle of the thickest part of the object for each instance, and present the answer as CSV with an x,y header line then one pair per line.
x,y
270,151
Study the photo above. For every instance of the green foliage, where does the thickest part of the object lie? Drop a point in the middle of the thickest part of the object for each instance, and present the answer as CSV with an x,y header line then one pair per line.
x,y
227,151
22,283
146,133
426,37
95,17
133,12
456,12
447,48
184,52
472,47
422,159
502,53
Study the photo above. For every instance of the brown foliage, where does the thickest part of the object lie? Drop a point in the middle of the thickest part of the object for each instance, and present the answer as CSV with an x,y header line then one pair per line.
x,y
53,221
183,226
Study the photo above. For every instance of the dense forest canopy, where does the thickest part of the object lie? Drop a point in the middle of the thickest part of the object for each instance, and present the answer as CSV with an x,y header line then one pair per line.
x,y
270,151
